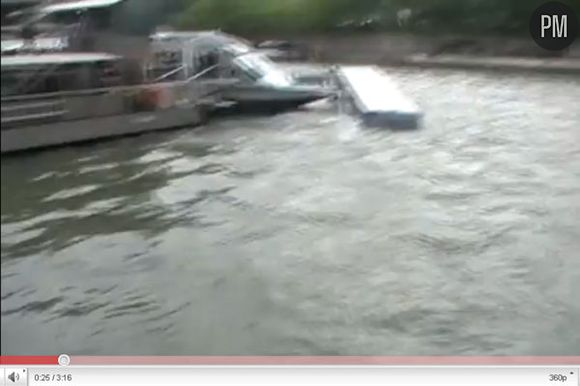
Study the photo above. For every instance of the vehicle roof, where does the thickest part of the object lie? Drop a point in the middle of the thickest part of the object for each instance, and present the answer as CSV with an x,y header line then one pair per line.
x,y
79,5
55,58
19,2
50,42
214,36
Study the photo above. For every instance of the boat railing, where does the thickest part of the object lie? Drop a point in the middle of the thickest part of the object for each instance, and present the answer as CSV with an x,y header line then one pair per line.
x,y
202,73
168,74
177,70
211,87
85,104
32,111
81,104
97,91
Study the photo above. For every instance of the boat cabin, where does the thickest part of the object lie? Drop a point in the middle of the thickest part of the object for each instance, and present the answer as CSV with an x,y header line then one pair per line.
x,y
209,54
51,73
73,25
55,88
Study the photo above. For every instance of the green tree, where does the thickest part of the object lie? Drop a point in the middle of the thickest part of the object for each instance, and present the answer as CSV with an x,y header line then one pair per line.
x,y
294,16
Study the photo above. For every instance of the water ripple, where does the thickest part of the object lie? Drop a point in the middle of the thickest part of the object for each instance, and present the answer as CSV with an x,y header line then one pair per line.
x,y
303,233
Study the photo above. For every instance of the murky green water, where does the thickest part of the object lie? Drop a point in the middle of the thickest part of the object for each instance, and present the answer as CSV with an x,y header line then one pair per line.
x,y
304,234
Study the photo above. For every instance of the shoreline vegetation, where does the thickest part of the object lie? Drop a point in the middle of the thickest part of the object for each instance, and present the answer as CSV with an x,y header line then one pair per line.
x,y
473,27
371,31
303,17
422,17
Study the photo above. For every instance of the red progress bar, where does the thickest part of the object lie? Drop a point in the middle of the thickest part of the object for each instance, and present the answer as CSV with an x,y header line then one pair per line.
x,y
28,360
324,361
293,360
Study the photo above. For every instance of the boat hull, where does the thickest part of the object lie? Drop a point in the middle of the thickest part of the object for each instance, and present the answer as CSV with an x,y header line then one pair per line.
x,y
261,99
60,133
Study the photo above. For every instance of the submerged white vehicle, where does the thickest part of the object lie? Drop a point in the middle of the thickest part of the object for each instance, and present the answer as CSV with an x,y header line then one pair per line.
x,y
253,80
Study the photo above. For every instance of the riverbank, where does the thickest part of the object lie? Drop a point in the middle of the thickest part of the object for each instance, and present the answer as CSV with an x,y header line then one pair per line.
x,y
437,51
559,65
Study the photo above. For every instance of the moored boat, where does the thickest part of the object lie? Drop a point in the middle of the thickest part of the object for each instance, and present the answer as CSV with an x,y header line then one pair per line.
x,y
78,83
255,81
63,98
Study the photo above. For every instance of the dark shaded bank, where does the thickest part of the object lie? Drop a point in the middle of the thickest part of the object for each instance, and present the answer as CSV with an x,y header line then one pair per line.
x,y
442,51
552,65
391,48
434,17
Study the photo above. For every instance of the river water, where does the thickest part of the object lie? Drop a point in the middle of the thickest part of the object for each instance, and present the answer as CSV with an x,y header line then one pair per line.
x,y
305,234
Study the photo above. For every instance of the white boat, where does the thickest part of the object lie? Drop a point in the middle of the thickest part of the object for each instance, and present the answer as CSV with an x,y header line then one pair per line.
x,y
63,98
255,82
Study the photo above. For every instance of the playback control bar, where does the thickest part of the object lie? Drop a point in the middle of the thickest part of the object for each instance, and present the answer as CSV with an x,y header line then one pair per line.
x,y
287,375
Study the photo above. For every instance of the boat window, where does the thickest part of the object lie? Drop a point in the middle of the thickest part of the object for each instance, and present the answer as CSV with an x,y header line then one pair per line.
x,y
255,67
236,49
69,77
26,81
250,72
168,58
108,75
52,80
102,19
258,63
164,62
258,67
38,84
64,18
9,83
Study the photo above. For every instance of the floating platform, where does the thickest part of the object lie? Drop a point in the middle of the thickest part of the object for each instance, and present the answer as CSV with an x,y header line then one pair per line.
x,y
377,99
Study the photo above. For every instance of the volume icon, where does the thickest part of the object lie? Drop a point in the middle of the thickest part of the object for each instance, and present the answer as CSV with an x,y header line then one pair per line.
x,y
13,376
